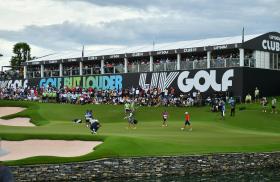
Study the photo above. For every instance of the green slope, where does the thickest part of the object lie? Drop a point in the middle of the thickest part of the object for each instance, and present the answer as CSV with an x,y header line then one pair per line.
x,y
249,131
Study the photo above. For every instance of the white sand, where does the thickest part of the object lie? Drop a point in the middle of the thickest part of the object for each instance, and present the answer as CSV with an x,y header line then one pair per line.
x,y
4,111
61,148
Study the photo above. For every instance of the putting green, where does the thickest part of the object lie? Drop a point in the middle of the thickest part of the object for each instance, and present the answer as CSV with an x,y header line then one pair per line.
x,y
249,131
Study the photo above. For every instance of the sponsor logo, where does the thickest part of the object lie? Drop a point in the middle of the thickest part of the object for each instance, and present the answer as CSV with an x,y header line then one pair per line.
x,y
14,83
162,52
97,82
114,56
219,47
190,50
92,58
186,84
158,80
201,81
273,44
137,54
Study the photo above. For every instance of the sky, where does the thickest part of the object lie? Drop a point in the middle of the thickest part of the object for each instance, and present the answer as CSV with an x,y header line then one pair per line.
x,y
50,26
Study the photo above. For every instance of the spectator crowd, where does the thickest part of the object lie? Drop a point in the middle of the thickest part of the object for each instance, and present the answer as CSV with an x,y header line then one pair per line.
x,y
141,97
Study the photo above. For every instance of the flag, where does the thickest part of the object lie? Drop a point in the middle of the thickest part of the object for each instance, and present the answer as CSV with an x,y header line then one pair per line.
x,y
153,45
83,52
243,35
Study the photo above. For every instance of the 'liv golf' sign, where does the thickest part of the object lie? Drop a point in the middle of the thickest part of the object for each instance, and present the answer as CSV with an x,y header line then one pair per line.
x,y
205,81
201,81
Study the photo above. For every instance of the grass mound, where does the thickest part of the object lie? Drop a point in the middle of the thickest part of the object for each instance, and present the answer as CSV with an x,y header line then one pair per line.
x,y
249,131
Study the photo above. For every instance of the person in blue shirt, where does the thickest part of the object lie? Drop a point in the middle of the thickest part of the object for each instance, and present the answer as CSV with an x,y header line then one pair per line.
x,y
223,109
6,174
232,106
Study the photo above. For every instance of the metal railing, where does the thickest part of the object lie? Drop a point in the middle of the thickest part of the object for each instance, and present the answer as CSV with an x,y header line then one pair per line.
x,y
144,67
187,65
71,72
114,69
135,68
250,62
51,73
33,74
171,66
201,64
119,69
232,62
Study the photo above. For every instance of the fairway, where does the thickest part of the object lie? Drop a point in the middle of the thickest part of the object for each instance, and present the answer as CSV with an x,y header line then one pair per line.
x,y
249,131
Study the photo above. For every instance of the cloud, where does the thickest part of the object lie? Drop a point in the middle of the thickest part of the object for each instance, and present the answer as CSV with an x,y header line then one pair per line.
x,y
67,25
70,35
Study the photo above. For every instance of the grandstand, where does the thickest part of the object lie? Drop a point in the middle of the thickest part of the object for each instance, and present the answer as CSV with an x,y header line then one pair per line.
x,y
184,55
206,65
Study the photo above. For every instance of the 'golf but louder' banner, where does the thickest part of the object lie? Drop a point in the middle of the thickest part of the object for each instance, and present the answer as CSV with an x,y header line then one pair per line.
x,y
205,81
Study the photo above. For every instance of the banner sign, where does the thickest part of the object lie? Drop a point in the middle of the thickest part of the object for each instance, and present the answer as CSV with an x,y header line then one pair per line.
x,y
204,81
269,42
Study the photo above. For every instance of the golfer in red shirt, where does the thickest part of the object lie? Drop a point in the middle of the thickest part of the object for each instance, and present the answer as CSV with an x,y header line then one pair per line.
x,y
187,122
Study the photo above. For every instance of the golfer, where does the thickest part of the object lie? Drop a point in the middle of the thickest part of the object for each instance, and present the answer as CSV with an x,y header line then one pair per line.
x,y
223,109
126,108
131,121
164,118
232,106
273,106
187,122
94,125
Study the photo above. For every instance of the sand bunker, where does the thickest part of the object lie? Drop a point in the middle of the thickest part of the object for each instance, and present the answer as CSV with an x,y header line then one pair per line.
x,y
4,111
60,148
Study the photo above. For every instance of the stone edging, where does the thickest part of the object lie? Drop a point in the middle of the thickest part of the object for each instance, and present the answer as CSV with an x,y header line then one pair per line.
x,y
146,166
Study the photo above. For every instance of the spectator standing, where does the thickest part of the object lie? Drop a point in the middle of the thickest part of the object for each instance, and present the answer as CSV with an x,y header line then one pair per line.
x,y
5,174
248,98
232,106
264,103
273,106
257,94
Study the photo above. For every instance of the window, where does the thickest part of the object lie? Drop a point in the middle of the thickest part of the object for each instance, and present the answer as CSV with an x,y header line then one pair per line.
x,y
275,59
271,56
278,61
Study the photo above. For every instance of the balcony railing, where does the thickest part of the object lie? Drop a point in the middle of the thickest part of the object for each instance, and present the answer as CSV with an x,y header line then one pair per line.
x,y
91,71
51,73
201,64
71,72
144,67
250,62
134,68
187,65
114,69
33,74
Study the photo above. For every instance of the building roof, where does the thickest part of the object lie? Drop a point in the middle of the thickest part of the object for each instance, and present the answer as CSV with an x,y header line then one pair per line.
x,y
149,48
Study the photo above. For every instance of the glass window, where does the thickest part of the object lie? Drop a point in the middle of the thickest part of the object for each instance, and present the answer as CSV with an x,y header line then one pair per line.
x,y
278,61
275,61
271,61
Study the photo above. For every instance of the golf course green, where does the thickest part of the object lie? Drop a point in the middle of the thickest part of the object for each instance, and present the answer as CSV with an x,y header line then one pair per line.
x,y
250,130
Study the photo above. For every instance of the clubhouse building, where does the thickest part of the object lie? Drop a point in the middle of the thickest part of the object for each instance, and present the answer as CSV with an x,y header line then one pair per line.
x,y
235,64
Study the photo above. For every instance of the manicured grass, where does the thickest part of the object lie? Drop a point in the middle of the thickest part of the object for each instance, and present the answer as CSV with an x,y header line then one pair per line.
x,y
249,131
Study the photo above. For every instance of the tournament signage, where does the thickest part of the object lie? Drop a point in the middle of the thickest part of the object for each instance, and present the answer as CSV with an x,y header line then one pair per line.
x,y
269,42
204,81
272,44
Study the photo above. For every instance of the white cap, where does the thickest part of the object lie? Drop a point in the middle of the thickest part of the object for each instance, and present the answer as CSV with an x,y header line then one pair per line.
x,y
186,113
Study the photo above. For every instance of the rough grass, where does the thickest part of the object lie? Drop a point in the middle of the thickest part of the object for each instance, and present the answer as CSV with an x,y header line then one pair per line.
x,y
249,131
